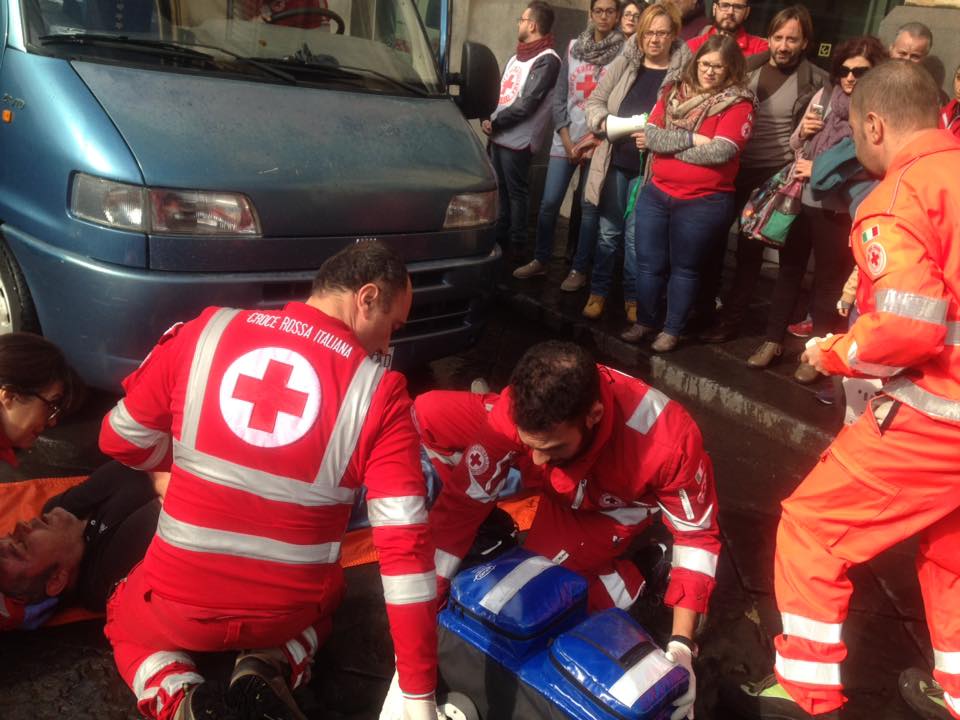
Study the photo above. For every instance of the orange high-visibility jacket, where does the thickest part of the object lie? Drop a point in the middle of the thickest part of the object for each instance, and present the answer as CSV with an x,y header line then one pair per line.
x,y
906,241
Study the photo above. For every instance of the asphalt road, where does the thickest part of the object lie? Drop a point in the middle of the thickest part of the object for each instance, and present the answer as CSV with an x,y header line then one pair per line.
x,y
68,671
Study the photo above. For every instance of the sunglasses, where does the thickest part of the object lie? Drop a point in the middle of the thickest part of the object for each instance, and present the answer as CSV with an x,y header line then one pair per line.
x,y
857,72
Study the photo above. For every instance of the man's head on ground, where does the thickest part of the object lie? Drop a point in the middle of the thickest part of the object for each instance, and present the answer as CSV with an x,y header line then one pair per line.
x,y
789,33
36,384
41,558
536,21
913,42
730,15
889,106
556,401
367,287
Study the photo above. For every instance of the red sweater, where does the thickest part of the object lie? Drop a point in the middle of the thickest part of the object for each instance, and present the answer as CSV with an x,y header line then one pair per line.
x,y
749,44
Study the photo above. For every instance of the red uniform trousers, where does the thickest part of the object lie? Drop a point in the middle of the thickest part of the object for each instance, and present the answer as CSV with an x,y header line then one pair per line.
x,y
588,542
877,484
149,635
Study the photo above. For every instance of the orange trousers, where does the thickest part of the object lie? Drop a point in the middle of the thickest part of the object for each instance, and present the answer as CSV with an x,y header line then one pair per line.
x,y
892,474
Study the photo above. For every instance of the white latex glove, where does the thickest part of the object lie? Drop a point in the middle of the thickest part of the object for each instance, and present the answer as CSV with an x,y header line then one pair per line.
x,y
397,707
680,654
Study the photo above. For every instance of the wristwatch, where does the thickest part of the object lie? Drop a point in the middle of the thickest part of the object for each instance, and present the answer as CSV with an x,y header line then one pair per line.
x,y
684,640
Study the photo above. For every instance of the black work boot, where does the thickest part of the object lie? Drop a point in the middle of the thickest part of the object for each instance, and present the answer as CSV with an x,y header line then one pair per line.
x,y
924,695
201,702
259,689
765,700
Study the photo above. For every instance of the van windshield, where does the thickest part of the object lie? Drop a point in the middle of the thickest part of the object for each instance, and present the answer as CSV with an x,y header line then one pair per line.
x,y
373,45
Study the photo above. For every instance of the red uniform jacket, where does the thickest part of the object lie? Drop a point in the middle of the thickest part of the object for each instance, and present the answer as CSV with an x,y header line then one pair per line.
x,y
269,422
646,456
749,44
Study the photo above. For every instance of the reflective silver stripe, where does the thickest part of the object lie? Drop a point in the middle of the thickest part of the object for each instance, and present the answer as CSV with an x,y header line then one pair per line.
x,y
953,702
647,412
912,306
513,582
453,459
206,540
257,482
629,515
617,590
350,419
646,673
695,559
390,511
909,393
807,671
409,589
947,662
154,664
312,643
297,653
692,525
200,373
953,334
868,368
446,564
803,627
133,432
172,684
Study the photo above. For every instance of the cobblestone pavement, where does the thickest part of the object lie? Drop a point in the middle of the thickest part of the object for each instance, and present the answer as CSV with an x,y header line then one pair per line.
x,y
68,671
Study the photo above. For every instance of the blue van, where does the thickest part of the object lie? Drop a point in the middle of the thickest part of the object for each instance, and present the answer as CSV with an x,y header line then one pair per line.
x,y
159,156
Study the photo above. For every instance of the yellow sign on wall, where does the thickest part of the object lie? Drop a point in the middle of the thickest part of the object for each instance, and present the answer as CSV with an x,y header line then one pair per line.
x,y
825,49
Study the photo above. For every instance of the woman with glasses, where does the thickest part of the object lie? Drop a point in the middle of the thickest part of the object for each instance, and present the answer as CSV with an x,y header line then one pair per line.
x,y
823,225
35,385
651,59
584,64
696,133
629,16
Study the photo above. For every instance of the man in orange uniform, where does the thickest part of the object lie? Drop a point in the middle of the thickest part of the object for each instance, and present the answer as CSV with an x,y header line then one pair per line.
x,y
896,471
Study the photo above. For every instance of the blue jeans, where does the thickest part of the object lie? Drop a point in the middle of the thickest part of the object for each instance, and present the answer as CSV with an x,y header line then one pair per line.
x,y
559,172
613,204
512,168
674,237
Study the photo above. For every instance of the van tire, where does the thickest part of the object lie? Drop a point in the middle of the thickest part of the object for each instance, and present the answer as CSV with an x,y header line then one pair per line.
x,y
457,706
17,311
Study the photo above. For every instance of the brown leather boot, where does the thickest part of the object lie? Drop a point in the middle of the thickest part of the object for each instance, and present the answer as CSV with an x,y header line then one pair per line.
x,y
765,354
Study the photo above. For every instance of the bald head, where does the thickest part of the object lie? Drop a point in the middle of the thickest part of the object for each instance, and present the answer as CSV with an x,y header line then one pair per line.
x,y
902,93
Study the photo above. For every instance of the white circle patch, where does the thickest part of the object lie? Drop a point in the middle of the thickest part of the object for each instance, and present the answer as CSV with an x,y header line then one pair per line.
x,y
270,397
876,258
477,460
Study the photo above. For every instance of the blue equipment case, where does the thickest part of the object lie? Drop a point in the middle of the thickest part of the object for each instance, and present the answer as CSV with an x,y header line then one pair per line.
x,y
515,638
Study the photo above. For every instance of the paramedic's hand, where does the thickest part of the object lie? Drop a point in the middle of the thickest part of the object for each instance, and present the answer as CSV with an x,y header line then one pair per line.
x,y
680,654
813,355
487,127
424,709
397,707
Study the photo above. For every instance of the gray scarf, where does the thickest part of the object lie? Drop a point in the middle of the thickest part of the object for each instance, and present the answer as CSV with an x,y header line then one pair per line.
x,y
597,53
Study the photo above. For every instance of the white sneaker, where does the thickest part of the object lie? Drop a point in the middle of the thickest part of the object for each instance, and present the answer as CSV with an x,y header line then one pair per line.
x,y
574,281
531,269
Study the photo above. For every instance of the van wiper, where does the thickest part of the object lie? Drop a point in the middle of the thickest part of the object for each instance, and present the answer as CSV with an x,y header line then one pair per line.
x,y
164,48
327,64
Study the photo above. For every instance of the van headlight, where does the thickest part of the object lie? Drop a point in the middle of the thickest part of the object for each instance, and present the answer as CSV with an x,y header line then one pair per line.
x,y
470,210
162,210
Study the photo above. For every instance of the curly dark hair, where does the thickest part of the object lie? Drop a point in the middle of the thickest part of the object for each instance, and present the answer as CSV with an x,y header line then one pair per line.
x,y
866,46
554,382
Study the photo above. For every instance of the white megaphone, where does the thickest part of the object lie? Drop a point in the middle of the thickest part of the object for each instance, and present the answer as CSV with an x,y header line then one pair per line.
x,y
620,127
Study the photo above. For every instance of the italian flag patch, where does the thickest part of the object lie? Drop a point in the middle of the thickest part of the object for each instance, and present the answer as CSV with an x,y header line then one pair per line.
x,y
871,233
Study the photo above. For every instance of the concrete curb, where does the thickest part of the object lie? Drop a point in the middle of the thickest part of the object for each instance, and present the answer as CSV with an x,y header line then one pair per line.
x,y
688,374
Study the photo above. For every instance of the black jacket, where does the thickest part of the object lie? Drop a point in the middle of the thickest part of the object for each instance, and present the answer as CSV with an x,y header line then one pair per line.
x,y
810,78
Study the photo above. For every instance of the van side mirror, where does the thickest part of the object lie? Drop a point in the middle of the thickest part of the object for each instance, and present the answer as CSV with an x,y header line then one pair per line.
x,y
479,81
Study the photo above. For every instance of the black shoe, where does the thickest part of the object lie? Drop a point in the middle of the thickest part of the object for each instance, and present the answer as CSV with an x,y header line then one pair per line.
x,y
923,694
721,332
654,564
202,702
259,690
765,700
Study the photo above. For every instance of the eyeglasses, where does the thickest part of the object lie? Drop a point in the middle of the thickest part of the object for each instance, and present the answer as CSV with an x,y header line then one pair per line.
x,y
631,16
857,72
54,407
604,12
524,19
659,34
709,67
736,7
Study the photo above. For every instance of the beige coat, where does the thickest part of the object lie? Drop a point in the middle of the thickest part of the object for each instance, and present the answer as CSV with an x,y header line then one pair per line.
x,y
609,94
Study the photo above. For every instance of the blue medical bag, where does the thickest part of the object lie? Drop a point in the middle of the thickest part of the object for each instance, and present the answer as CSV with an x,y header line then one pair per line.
x,y
511,607
607,668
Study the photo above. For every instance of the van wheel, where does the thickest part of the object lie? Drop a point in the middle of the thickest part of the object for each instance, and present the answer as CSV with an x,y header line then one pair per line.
x,y
17,313
457,706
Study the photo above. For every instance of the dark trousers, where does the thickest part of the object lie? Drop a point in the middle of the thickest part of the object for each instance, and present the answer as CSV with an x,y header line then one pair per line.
x,y
827,235
512,168
749,253
674,238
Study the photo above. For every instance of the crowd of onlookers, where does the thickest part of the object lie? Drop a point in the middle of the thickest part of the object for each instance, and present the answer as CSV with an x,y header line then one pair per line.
x,y
717,112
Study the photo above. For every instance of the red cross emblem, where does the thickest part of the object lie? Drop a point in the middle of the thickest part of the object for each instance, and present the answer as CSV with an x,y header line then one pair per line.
x,y
587,84
270,397
477,460
876,258
510,87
